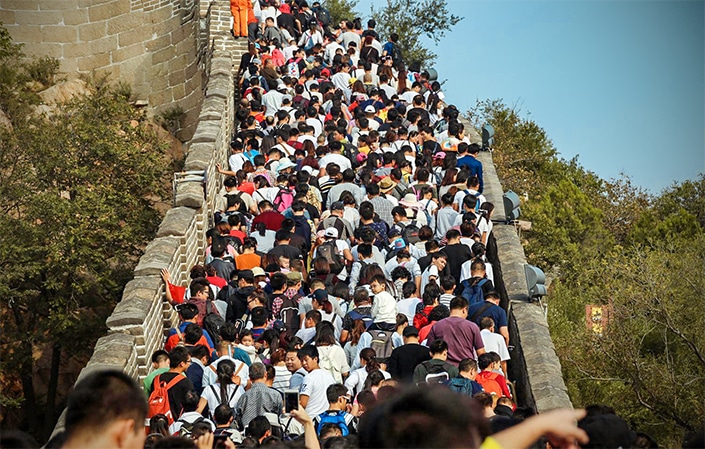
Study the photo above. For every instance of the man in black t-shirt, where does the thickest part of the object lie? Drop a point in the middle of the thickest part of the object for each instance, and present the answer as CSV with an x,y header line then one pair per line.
x,y
179,361
458,253
405,358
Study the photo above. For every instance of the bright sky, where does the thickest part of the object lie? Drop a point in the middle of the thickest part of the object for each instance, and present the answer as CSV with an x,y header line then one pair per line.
x,y
620,83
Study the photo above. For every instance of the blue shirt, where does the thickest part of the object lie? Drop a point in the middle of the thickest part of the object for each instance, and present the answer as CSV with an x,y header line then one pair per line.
x,y
475,167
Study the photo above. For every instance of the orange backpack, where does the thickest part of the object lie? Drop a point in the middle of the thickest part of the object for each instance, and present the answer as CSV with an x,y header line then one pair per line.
x,y
159,399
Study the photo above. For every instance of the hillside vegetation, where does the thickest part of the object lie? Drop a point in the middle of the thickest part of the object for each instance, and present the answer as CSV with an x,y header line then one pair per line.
x,y
78,185
640,256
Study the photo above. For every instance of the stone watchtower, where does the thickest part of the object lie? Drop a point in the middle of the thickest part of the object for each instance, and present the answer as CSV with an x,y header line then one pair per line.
x,y
153,45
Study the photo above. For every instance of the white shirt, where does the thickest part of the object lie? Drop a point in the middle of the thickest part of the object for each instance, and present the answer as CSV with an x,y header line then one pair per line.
x,y
384,308
236,161
210,377
366,341
408,307
495,342
188,418
211,393
314,386
339,159
431,271
356,381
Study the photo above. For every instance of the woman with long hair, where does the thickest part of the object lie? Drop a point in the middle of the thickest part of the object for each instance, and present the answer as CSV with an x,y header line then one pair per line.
x,y
226,390
350,347
331,356
369,363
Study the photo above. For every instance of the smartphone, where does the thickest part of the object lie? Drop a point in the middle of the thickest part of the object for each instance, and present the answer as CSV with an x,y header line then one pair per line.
x,y
219,441
291,400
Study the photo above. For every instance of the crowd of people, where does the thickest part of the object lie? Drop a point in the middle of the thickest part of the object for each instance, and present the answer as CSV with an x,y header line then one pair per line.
x,y
345,298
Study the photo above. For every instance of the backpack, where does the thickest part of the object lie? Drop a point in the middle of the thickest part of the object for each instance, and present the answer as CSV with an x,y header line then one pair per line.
x,y
410,233
159,399
213,322
435,374
329,250
283,200
355,315
292,68
187,427
326,363
382,344
289,315
336,417
364,272
464,386
323,16
396,54
473,292
490,385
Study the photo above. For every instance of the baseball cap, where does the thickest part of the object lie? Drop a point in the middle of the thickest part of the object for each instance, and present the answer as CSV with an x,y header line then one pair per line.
x,y
331,232
258,271
295,276
370,109
320,294
337,205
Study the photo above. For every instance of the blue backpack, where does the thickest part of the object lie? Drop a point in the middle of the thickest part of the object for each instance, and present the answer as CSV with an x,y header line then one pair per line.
x,y
336,417
473,292
355,315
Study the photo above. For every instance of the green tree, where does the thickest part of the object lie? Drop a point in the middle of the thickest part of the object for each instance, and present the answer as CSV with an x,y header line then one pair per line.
x,y
649,363
77,190
341,9
411,20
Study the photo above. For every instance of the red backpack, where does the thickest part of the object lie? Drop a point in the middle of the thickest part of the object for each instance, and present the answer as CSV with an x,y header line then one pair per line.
x,y
159,399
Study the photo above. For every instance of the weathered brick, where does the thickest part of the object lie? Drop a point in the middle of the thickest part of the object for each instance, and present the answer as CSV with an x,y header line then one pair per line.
x,y
93,62
26,34
21,5
108,10
75,16
38,17
52,50
59,34
104,45
125,53
163,55
158,43
91,31
130,70
161,97
75,50
176,77
58,5
125,22
7,16
178,91
69,66
139,34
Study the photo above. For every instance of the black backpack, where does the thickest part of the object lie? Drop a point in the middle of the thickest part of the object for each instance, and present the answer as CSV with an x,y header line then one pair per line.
x,y
289,315
329,250
435,374
410,233
323,16
212,322
396,54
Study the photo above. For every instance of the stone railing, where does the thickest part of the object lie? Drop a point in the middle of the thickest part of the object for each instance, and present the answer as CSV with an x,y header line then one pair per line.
x,y
534,366
136,328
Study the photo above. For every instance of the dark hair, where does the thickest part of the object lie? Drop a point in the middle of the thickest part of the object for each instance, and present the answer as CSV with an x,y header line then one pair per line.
x,y
192,333
258,427
222,414
438,346
101,398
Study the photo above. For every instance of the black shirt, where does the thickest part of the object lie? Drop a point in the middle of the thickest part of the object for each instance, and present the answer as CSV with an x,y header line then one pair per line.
x,y
458,254
404,359
177,393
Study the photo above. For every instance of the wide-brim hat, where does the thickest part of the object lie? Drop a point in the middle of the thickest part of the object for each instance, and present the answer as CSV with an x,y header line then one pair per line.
x,y
386,185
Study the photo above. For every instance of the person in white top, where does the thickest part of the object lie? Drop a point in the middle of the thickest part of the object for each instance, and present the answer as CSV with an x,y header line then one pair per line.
x,y
384,306
494,342
355,383
227,390
313,389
